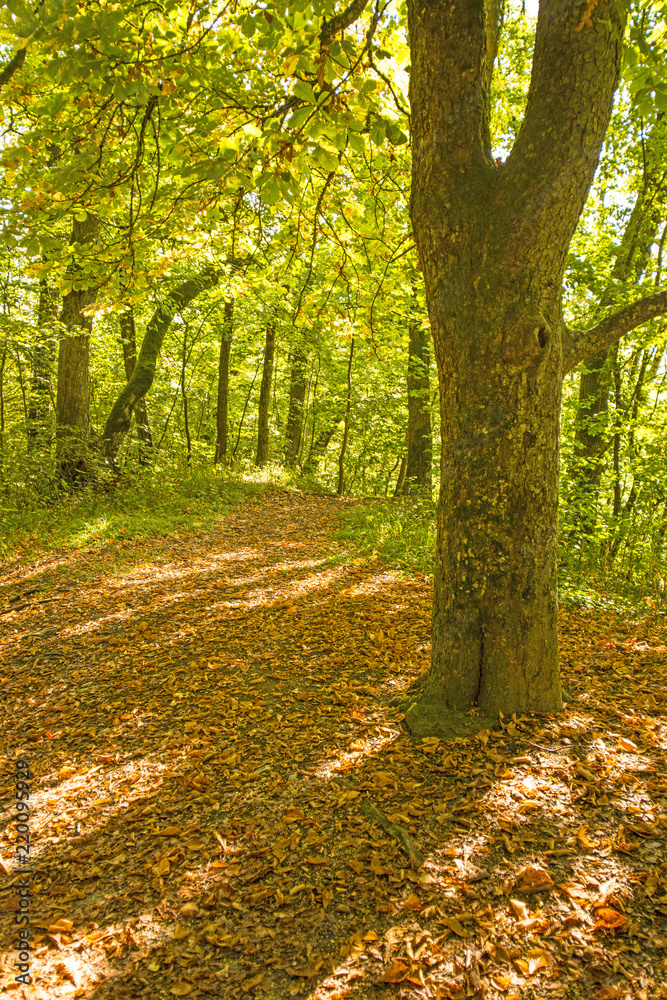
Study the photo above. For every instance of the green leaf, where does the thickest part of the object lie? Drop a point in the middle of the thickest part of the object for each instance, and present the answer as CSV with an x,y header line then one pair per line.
x,y
356,142
305,92
394,134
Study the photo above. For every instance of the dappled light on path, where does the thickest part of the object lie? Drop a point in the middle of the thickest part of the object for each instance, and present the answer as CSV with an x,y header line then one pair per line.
x,y
222,796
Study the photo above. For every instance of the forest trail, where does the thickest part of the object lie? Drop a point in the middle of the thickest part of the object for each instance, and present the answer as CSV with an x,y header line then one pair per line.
x,y
208,725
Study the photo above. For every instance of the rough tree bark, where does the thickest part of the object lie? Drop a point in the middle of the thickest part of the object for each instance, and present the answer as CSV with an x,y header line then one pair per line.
x,y
262,456
297,395
129,338
492,243
73,457
419,440
120,419
222,407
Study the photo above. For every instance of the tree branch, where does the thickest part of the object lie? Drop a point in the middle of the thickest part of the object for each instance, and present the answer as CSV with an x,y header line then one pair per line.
x,y
580,344
448,100
551,166
11,67
341,21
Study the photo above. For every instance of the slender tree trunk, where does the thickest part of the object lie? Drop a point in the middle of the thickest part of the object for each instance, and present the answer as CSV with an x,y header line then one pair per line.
x,y
297,395
346,426
2,406
184,395
400,482
262,456
320,445
129,339
73,398
243,413
222,408
492,245
43,359
120,418
420,440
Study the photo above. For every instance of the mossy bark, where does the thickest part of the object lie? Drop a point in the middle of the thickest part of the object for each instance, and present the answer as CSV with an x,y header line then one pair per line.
x,y
492,244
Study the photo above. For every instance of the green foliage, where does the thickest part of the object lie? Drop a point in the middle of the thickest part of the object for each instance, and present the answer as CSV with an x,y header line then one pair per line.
x,y
400,531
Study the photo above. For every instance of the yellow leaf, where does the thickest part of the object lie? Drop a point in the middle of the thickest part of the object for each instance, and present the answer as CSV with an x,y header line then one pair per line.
x,y
180,933
290,64
61,926
293,815
455,925
583,839
627,745
181,989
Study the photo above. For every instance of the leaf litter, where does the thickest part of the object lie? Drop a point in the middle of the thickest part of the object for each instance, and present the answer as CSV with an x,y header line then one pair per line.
x,y
224,804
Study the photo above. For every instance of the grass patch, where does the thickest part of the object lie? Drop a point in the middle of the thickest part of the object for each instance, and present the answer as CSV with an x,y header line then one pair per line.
x,y
400,531
144,504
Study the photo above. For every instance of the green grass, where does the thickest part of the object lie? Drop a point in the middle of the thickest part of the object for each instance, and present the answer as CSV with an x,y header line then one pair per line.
x,y
145,504
401,532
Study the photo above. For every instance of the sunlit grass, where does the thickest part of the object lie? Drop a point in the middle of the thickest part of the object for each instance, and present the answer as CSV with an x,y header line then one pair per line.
x,y
148,503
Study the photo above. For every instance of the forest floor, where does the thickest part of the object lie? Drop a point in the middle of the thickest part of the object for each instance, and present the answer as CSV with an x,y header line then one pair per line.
x,y
206,718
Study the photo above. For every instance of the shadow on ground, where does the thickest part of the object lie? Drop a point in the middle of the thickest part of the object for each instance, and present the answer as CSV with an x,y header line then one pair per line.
x,y
207,720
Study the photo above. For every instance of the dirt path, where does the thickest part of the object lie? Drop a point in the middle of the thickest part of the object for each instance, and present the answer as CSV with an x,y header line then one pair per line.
x,y
206,720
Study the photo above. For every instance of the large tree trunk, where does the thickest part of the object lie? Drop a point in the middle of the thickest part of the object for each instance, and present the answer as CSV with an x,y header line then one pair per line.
x,y
129,338
221,412
120,419
420,441
591,432
43,358
492,244
262,456
297,395
73,396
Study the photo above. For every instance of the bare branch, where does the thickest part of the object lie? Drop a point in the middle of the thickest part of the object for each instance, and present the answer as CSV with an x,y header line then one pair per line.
x,y
581,344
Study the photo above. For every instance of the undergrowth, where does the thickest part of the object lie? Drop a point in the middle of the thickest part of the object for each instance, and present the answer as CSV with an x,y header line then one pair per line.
x,y
402,531
141,504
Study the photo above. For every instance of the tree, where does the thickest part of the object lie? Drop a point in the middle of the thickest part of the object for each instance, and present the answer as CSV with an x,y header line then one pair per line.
x,y
73,398
221,414
419,454
120,418
262,455
129,339
297,394
633,253
43,357
492,242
